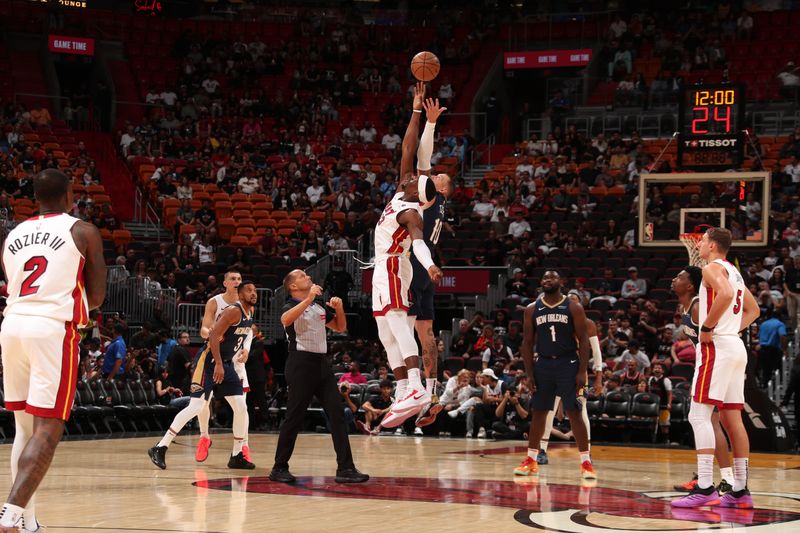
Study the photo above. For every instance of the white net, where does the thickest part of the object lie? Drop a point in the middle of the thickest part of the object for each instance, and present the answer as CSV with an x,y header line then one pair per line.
x,y
690,241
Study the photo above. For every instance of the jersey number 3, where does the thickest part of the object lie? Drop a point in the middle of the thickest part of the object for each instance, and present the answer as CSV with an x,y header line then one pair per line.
x,y
36,265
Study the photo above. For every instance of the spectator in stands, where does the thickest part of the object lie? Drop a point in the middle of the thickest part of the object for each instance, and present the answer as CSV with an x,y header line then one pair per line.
x,y
513,417
205,216
168,393
612,238
634,353
116,352
391,140
513,338
791,291
562,201
579,291
179,363
353,375
634,287
376,407
482,208
464,339
165,347
772,342
630,375
495,352
744,26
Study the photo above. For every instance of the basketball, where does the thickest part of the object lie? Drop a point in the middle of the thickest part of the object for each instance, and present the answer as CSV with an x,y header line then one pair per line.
x,y
425,66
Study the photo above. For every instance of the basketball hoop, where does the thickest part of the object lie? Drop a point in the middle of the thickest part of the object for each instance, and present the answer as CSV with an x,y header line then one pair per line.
x,y
690,241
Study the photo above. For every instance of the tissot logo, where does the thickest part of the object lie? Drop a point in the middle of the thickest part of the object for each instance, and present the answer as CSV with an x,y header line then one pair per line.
x,y
710,143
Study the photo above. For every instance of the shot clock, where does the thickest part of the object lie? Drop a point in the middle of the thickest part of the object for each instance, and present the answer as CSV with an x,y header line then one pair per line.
x,y
710,123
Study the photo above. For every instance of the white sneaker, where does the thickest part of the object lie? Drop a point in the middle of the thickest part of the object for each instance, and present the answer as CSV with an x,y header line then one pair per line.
x,y
453,413
415,401
399,431
482,433
418,431
404,409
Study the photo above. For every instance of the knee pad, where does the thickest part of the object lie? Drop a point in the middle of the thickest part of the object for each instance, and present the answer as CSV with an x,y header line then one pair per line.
x,y
403,330
386,335
700,419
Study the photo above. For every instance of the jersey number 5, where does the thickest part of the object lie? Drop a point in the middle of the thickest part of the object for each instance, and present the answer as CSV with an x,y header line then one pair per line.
x,y
36,265
738,305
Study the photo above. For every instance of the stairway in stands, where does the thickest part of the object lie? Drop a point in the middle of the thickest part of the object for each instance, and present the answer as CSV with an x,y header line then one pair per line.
x,y
115,176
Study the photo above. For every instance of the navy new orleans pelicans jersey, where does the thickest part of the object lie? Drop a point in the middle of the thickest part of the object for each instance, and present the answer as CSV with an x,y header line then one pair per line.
x,y
233,338
689,327
555,329
433,218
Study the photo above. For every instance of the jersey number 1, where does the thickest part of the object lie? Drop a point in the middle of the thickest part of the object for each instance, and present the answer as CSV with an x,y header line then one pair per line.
x,y
553,333
36,265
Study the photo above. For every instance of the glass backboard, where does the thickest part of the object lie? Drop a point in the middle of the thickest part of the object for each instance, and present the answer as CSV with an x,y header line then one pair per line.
x,y
684,203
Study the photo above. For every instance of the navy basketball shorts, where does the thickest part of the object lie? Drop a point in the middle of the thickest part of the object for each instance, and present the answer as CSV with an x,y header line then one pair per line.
x,y
203,379
422,291
556,377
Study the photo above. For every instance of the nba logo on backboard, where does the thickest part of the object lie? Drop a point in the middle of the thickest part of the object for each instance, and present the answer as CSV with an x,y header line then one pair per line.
x,y
648,231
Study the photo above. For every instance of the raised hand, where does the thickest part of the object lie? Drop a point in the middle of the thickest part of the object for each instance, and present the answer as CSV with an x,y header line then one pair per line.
x,y
315,291
419,95
336,303
432,109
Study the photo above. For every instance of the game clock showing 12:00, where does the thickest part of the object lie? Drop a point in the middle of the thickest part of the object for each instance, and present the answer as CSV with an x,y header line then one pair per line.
x,y
711,118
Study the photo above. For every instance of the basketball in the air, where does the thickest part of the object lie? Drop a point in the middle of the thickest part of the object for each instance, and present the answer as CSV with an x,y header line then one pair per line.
x,y
425,66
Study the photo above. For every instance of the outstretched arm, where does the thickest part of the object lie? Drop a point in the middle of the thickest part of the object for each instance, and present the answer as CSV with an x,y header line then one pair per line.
x,y
425,150
411,138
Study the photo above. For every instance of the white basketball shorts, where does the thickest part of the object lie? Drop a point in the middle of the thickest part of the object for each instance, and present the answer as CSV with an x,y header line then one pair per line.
x,y
40,365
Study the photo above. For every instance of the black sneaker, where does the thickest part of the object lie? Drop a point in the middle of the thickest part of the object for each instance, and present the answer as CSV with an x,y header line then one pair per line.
x,y
281,475
158,454
239,462
724,487
350,475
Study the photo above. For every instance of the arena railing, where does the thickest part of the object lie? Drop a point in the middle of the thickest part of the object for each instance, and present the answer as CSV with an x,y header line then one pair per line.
x,y
527,32
188,318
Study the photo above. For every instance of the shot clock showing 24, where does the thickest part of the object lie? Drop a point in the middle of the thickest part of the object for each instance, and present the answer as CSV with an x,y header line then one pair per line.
x,y
711,119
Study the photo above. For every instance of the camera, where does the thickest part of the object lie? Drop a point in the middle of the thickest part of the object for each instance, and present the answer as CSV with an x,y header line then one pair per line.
x,y
343,388
512,392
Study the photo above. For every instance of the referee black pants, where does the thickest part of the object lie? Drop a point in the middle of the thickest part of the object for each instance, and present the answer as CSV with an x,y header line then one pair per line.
x,y
308,375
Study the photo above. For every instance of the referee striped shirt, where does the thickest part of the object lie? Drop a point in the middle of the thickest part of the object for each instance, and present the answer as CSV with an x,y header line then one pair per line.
x,y
308,333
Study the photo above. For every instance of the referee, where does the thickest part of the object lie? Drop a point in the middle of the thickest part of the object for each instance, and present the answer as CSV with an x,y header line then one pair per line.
x,y
309,373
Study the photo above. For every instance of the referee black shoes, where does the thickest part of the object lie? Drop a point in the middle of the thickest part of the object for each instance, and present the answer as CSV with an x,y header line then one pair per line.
x,y
281,475
239,462
350,475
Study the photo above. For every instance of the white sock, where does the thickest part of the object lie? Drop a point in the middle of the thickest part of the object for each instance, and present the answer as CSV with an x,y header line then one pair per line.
x,y
430,385
532,453
727,474
402,388
740,471
705,470
167,439
543,445
237,446
10,515
414,380
585,457
203,417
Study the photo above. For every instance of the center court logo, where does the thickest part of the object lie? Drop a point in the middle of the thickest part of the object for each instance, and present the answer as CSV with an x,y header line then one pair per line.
x,y
554,507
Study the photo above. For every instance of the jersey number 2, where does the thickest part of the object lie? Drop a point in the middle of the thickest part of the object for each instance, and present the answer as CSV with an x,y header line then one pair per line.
x,y
36,265
738,305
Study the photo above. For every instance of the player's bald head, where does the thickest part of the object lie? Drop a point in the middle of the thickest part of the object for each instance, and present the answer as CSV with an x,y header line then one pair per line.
x,y
50,185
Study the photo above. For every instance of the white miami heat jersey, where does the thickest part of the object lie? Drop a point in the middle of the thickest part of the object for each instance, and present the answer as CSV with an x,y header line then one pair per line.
x,y
45,270
221,304
390,237
731,321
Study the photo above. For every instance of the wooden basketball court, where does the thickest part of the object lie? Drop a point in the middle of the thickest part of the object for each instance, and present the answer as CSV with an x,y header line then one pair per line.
x,y
417,483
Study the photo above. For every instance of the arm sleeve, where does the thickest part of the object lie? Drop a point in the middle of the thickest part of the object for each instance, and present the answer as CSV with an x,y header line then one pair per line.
x,y
425,149
422,253
597,357
248,341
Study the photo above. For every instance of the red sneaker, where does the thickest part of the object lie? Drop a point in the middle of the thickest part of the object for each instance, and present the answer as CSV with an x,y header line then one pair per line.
x,y
246,453
202,449
688,486
587,470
